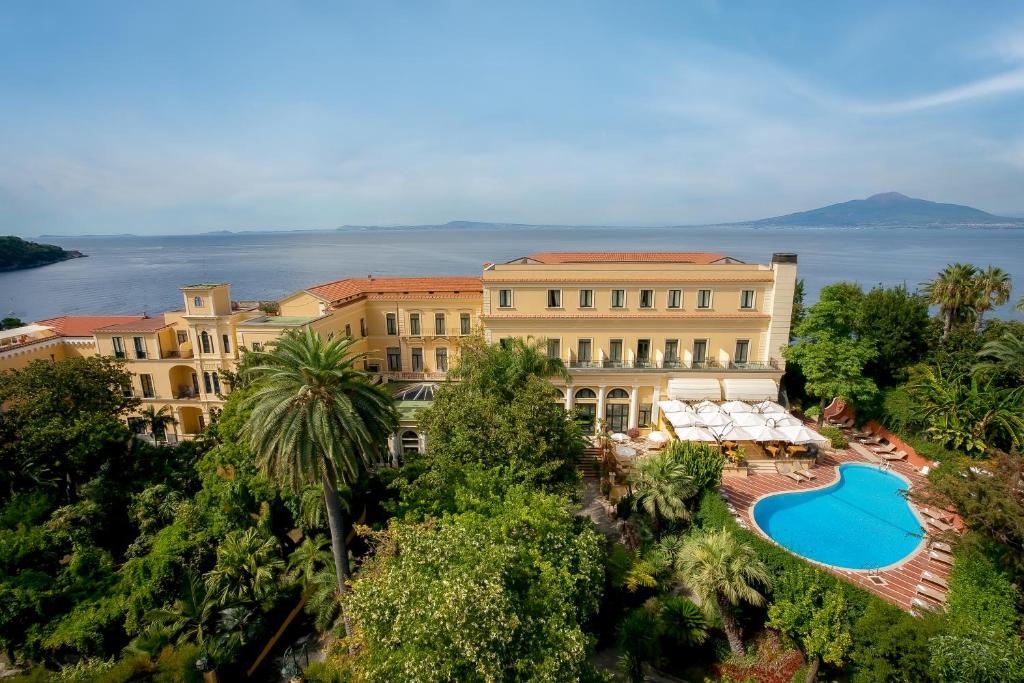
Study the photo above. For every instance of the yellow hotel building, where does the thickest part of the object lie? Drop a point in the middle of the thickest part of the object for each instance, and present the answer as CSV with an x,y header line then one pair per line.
x,y
632,328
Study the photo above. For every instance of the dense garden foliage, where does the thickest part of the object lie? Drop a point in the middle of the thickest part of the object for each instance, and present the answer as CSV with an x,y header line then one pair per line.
x,y
120,560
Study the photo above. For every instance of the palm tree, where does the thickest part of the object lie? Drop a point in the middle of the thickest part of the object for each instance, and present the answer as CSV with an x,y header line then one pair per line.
x,y
971,414
954,291
1004,356
722,571
661,486
158,420
993,290
192,617
247,567
306,560
314,418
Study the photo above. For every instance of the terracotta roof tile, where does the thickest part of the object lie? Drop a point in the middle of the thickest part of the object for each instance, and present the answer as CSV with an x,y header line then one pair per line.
x,y
559,257
83,325
139,325
350,287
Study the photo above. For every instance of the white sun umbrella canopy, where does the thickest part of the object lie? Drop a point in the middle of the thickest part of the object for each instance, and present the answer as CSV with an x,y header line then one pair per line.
x,y
734,407
695,434
747,419
707,407
767,406
681,419
674,406
759,433
713,419
780,420
800,434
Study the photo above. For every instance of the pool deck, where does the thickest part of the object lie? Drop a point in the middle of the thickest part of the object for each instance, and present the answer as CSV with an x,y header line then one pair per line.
x,y
901,582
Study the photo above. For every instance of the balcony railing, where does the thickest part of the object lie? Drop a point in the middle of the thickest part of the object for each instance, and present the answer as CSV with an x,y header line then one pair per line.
x,y
670,365
410,376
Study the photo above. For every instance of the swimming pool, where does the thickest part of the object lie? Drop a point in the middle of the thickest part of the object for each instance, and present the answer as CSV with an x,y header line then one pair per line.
x,y
860,522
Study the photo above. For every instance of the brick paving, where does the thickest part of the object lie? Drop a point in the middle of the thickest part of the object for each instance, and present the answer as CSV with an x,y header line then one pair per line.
x,y
900,582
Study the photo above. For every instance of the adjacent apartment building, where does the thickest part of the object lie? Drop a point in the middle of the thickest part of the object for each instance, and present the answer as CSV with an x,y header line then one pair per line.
x,y
631,327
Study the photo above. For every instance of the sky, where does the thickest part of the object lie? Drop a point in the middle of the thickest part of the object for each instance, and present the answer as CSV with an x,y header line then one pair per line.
x,y
184,117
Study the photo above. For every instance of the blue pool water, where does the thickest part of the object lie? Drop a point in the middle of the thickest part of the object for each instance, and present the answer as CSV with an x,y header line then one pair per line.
x,y
860,522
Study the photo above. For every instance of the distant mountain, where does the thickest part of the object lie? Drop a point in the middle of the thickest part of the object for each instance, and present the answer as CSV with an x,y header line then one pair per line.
x,y
16,254
893,208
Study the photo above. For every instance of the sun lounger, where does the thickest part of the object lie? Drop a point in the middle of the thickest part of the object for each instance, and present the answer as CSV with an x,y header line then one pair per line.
x,y
919,606
896,455
883,448
931,593
807,473
794,476
936,514
935,579
938,556
940,525
872,439
944,547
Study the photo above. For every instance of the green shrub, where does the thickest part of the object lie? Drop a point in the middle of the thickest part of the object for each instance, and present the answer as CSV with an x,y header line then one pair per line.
x,y
178,665
891,645
812,412
835,435
712,513
980,596
703,463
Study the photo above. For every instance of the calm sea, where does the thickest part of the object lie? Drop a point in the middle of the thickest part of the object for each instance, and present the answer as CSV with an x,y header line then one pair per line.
x,y
142,274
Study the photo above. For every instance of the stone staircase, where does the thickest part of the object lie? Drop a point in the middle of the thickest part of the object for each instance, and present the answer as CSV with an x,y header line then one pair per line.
x,y
589,465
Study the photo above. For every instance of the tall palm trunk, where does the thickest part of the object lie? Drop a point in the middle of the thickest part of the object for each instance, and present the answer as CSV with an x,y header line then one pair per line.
x,y
339,549
947,322
978,313
732,629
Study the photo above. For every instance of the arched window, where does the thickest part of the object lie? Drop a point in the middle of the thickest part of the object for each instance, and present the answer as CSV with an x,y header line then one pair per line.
x,y
618,393
585,394
216,384
198,301
204,342
206,383
559,393
410,442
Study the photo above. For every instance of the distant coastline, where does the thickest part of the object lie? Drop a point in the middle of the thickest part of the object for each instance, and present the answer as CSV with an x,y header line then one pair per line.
x,y
19,254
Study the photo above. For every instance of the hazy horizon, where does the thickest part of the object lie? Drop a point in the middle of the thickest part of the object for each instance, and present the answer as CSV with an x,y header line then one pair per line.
x,y
191,118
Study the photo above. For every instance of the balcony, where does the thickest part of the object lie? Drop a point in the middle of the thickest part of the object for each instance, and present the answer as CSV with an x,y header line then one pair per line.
x,y
669,366
410,376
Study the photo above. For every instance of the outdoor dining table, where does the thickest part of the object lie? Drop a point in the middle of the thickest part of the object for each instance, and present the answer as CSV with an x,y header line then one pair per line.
x,y
794,449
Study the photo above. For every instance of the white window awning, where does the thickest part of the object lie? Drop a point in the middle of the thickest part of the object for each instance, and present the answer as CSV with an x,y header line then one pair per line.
x,y
757,389
695,389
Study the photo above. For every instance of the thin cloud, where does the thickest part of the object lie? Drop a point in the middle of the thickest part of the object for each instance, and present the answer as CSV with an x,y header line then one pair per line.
x,y
1008,82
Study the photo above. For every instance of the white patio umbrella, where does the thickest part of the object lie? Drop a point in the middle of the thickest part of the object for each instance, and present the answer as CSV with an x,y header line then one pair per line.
x,y
681,419
674,406
748,419
734,407
695,434
780,420
725,432
767,406
800,434
713,419
707,407
759,433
